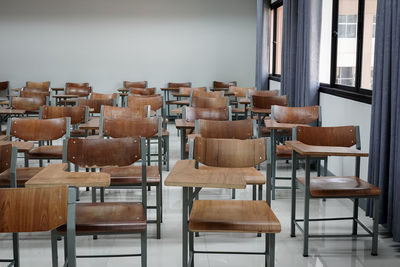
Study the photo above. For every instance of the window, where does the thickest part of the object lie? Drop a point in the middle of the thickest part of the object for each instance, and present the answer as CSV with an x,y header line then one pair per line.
x,y
349,72
276,38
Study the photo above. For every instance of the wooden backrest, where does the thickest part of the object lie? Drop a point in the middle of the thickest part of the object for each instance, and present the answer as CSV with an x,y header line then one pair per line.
x,y
43,85
241,91
4,85
36,90
229,153
69,84
142,91
217,84
240,129
79,91
345,136
28,103
32,93
303,115
121,127
103,96
208,94
264,93
33,209
95,103
188,90
5,157
76,113
123,113
38,130
138,102
268,101
207,102
99,152
219,114
142,84
177,85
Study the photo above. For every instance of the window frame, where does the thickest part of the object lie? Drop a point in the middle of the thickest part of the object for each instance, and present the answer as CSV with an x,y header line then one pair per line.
x,y
351,92
274,9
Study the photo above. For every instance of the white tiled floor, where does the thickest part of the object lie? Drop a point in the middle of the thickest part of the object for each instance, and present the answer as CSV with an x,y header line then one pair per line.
x,y
35,247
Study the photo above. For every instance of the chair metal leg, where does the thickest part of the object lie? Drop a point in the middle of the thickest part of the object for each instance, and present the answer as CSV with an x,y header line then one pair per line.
x,y
293,206
233,193
54,252
306,208
143,247
65,248
254,192
267,249
15,237
102,194
375,229
355,216
260,191
158,207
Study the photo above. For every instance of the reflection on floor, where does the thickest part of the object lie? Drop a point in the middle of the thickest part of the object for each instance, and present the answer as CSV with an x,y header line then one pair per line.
x,y
35,247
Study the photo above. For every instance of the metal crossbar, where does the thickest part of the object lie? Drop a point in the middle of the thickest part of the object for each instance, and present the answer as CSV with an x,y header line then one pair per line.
x,y
109,256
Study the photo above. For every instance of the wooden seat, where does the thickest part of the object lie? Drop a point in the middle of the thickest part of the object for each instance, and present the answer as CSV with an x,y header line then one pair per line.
x,y
233,216
340,186
103,218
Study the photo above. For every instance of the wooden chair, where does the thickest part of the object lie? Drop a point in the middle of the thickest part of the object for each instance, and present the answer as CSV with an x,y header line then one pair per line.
x,y
109,112
194,113
218,86
239,93
142,84
236,216
111,217
292,115
4,85
40,131
45,86
178,85
185,91
217,94
76,85
80,91
30,104
128,176
103,96
351,187
78,115
95,104
31,210
209,102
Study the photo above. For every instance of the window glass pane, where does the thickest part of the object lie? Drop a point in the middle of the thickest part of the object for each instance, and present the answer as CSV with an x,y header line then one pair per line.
x,y
279,28
347,42
368,44
325,45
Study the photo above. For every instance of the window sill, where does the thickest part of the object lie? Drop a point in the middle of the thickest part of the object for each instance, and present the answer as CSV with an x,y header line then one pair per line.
x,y
360,97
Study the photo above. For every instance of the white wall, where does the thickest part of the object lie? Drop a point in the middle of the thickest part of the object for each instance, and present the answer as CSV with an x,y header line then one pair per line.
x,y
107,41
338,111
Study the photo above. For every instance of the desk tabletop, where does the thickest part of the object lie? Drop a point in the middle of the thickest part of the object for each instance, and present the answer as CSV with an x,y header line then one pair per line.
x,y
323,151
9,111
65,96
244,101
184,174
273,124
4,102
183,124
21,146
92,124
56,174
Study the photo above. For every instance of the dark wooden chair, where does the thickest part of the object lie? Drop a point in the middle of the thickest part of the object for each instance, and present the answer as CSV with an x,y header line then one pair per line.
x,y
40,131
111,217
78,115
218,86
4,85
351,187
292,115
142,84
128,176
236,216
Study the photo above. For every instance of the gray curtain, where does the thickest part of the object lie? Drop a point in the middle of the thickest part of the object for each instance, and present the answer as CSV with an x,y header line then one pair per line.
x,y
262,48
300,51
384,159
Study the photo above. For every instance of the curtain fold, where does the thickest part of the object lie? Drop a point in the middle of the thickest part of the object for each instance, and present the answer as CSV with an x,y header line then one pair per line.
x,y
263,44
300,51
384,159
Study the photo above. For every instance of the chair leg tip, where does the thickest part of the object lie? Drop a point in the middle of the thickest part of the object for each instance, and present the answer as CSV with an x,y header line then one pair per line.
x,y
305,255
292,235
374,253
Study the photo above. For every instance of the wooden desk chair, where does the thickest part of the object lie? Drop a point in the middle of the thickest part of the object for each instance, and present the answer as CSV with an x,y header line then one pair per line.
x,y
236,216
128,176
78,115
209,102
295,115
76,85
40,131
33,93
261,106
45,86
103,96
242,129
4,85
112,217
142,84
142,91
351,187
109,112
218,86
95,104
32,210
30,104
186,91
240,92
178,85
